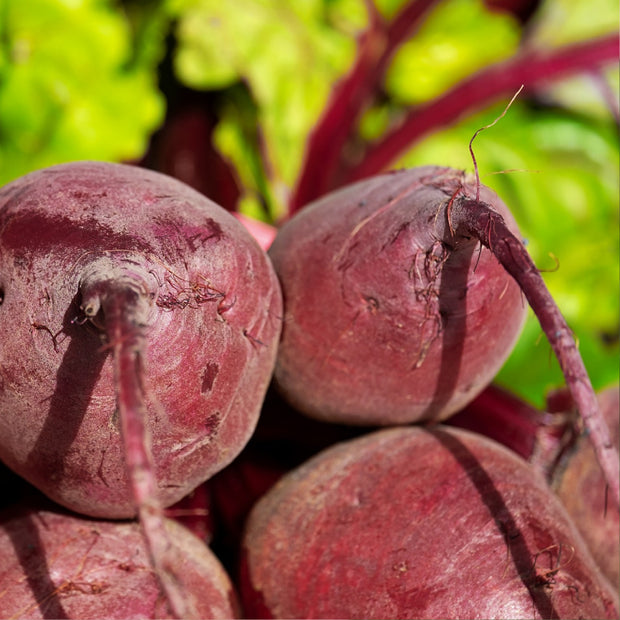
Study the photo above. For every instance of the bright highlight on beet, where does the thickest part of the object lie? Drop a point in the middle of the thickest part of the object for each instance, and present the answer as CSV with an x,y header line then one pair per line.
x,y
139,333
404,294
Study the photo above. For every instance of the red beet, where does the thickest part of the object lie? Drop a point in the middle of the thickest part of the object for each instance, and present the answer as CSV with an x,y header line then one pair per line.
x,y
388,320
403,299
414,523
581,486
57,565
210,310
140,333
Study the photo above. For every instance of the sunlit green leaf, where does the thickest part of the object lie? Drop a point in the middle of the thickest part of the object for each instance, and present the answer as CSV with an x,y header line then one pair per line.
x,y
389,8
566,21
457,38
347,16
288,53
238,136
68,87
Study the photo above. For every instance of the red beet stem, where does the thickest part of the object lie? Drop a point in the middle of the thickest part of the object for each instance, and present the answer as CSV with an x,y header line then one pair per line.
x,y
532,67
540,437
472,218
357,89
120,308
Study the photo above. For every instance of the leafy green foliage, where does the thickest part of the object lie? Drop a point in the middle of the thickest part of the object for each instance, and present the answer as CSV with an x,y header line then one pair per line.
x,y
458,38
69,86
78,79
287,53
565,21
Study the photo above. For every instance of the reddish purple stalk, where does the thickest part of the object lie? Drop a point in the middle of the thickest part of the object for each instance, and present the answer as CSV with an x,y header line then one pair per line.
x,y
471,218
531,68
324,168
120,309
540,437
375,49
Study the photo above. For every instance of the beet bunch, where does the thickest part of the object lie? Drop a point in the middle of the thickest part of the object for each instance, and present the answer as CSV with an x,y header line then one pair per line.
x,y
143,327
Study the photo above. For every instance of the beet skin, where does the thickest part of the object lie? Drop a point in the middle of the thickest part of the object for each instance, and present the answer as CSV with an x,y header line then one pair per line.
x,y
389,318
209,313
58,565
415,523
581,487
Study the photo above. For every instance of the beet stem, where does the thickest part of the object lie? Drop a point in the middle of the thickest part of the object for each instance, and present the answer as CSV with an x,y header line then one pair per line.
x,y
376,45
532,67
128,343
116,299
472,218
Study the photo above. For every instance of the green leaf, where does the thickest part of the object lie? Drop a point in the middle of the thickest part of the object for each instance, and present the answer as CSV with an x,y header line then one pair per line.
x,y
68,87
289,54
560,22
458,38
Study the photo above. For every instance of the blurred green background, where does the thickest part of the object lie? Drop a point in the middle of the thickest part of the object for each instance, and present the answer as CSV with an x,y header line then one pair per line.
x,y
225,94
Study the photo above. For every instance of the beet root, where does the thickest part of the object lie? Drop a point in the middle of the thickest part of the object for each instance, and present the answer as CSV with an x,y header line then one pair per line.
x,y
402,301
581,486
389,318
140,326
58,565
414,523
